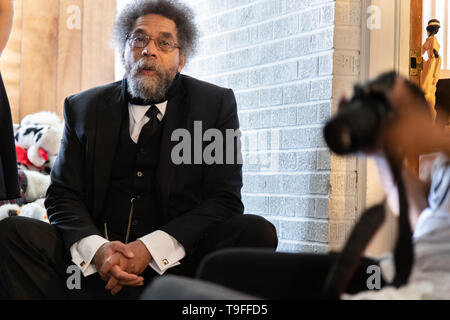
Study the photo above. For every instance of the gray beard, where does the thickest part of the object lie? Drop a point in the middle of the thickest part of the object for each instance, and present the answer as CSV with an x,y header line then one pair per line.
x,y
148,88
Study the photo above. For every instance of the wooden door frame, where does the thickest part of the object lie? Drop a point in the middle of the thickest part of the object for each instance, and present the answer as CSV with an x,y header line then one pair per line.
x,y
415,34
415,45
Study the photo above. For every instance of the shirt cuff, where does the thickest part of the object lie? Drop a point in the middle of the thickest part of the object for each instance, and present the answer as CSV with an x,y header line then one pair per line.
x,y
165,250
387,265
83,252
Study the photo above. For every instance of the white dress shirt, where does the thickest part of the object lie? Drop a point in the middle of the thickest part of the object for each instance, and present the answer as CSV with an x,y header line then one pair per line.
x,y
165,250
429,279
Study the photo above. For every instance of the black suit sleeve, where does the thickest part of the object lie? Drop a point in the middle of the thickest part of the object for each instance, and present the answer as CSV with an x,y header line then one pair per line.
x,y
221,187
65,201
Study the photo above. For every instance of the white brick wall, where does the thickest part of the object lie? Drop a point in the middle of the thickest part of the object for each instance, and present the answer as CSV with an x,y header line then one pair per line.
x,y
278,56
343,204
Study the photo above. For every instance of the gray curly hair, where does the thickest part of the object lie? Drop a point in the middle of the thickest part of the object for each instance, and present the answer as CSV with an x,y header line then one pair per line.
x,y
180,13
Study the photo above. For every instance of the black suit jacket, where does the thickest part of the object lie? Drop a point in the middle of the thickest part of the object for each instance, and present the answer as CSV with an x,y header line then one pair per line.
x,y
194,198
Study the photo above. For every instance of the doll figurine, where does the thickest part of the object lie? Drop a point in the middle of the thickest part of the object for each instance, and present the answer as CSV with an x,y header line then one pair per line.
x,y
432,66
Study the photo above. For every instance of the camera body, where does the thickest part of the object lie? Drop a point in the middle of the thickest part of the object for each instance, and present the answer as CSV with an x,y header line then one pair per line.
x,y
357,124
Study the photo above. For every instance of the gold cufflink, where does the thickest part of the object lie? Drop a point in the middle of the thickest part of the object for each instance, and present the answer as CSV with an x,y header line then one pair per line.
x,y
82,264
165,262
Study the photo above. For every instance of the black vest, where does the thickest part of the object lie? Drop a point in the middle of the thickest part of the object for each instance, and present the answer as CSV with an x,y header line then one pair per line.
x,y
133,178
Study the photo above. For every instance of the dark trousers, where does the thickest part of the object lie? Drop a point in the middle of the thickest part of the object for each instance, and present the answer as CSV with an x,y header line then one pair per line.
x,y
34,262
279,275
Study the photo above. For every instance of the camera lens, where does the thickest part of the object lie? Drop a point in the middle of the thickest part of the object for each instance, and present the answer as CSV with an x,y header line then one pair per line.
x,y
355,127
338,137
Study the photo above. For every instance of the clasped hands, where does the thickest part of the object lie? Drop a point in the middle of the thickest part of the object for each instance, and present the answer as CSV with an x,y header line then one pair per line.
x,y
121,264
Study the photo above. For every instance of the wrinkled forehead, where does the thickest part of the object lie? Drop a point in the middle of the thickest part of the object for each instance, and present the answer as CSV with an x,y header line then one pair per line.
x,y
156,25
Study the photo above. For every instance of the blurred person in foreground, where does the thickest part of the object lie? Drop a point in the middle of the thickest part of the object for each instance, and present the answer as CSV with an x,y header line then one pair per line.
x,y
303,275
428,198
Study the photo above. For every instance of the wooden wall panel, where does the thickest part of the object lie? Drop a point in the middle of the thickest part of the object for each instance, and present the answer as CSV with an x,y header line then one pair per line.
x,y
39,56
69,50
57,48
10,61
97,54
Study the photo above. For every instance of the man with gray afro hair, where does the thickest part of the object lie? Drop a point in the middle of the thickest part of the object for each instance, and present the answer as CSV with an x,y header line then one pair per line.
x,y
148,178
181,14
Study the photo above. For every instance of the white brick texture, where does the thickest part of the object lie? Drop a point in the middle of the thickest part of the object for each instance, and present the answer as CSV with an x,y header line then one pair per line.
x,y
279,57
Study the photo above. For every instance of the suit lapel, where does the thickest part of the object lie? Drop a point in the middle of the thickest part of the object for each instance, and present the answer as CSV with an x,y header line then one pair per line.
x,y
173,119
107,137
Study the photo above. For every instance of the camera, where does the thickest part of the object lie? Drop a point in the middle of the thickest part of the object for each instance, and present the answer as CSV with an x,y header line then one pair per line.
x,y
358,121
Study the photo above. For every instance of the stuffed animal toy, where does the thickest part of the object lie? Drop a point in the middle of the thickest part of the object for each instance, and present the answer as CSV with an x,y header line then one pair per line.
x,y
37,185
34,210
33,187
8,210
38,139
44,118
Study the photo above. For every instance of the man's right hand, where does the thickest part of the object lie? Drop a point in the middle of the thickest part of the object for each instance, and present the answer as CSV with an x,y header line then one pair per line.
x,y
413,129
115,250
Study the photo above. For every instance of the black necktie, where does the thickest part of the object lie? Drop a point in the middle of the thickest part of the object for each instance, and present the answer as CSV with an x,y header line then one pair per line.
x,y
151,127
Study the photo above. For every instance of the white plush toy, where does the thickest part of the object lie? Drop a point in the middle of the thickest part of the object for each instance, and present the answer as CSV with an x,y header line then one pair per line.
x,y
8,210
36,186
38,139
35,210
45,118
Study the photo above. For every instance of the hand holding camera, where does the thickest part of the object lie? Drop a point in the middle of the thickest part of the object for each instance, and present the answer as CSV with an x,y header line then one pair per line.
x,y
414,129
389,113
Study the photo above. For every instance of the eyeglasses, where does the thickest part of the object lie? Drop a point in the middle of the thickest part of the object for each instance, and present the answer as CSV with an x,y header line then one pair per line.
x,y
162,43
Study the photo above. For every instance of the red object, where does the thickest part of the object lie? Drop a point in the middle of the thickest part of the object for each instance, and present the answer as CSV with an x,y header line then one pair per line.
x,y
43,154
22,156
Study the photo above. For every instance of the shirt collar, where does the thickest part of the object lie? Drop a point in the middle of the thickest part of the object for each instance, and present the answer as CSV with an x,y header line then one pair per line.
x,y
138,111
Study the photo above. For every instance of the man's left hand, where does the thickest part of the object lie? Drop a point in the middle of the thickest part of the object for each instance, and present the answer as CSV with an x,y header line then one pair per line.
x,y
142,257
116,266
